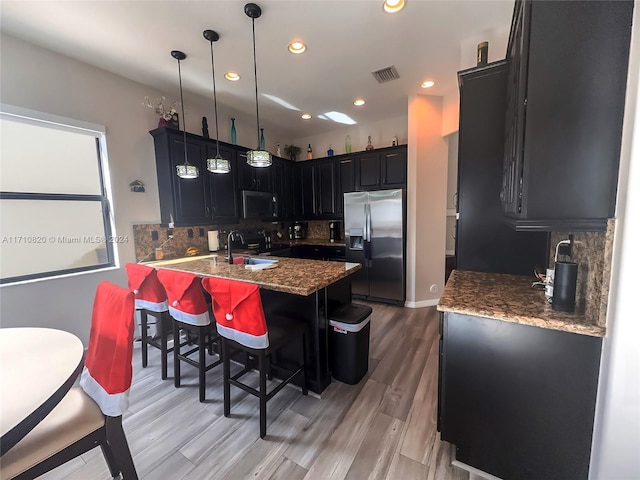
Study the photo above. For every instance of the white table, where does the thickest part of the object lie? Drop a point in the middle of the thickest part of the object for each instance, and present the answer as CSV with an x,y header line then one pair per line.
x,y
38,367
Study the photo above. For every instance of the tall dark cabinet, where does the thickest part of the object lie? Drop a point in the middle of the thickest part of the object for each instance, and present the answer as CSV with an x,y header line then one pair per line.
x,y
484,241
567,79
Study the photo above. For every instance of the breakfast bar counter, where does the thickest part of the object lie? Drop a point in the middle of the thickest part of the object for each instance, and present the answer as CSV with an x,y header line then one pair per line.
x,y
292,275
306,290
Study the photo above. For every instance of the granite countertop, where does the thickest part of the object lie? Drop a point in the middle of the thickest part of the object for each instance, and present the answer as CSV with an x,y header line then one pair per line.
x,y
509,298
325,242
292,275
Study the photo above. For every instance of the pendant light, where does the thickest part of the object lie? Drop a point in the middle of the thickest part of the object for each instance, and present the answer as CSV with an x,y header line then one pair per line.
x,y
216,164
186,170
256,158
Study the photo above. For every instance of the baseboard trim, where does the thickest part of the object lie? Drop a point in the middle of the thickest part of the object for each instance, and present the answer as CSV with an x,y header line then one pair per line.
x,y
422,303
474,470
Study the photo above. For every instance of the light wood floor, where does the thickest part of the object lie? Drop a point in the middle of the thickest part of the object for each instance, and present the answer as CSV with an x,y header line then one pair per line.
x,y
382,428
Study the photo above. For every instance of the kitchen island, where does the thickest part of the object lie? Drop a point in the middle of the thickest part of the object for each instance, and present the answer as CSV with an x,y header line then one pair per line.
x,y
517,380
303,289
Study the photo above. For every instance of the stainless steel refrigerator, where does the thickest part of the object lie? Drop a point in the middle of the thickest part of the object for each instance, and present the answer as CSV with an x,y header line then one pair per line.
x,y
374,229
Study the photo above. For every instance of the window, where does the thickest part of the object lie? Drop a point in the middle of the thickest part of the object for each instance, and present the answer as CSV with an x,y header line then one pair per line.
x,y
55,215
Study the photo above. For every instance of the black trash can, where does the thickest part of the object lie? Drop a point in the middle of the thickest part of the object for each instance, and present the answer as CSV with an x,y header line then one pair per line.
x,y
349,342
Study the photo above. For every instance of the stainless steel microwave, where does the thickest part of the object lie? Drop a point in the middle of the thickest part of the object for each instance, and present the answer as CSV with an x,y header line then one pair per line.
x,y
259,205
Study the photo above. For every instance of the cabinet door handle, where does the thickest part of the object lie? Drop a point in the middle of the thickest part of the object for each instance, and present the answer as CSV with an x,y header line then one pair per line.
x,y
345,161
207,210
391,155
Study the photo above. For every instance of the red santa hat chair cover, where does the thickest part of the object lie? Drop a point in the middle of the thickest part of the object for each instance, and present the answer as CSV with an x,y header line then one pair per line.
x,y
107,372
186,300
149,292
237,307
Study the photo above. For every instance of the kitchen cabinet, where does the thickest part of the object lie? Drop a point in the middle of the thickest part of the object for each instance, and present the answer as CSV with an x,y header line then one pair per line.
x,y
210,198
484,242
253,178
346,180
565,103
381,169
282,180
326,191
304,190
517,401
224,206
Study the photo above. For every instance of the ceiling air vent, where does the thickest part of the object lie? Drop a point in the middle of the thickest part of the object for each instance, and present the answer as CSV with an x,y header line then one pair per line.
x,y
386,74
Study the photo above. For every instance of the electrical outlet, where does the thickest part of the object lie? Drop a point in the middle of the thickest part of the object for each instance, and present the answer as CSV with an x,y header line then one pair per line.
x,y
201,232
170,233
154,235
190,232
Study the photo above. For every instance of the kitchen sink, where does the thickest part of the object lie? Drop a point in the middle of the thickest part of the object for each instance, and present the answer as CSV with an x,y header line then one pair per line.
x,y
258,261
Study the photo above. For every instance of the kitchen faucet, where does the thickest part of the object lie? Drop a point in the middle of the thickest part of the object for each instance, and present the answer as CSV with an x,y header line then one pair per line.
x,y
229,237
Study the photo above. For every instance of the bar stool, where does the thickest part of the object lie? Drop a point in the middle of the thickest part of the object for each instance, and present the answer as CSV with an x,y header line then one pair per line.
x,y
241,323
151,300
190,312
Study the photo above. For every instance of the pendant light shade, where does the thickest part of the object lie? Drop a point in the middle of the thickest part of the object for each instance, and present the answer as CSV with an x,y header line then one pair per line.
x,y
257,157
216,164
186,170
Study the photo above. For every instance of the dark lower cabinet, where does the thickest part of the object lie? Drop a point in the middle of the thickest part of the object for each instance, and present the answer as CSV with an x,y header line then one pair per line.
x,y
517,401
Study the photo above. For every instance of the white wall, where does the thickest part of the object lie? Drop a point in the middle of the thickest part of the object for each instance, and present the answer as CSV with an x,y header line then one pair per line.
x,y
381,132
38,79
616,439
426,201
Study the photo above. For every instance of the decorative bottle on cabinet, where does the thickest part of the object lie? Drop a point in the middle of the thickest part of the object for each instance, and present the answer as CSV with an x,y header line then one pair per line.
x,y
369,145
309,153
347,144
262,139
330,151
233,131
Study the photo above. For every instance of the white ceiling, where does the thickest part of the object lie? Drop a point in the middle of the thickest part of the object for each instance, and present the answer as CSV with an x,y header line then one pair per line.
x,y
346,41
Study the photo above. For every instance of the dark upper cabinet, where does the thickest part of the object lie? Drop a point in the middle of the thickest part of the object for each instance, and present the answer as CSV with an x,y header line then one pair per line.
x,y
346,180
304,190
381,169
565,103
282,180
252,178
326,188
484,241
182,201
210,198
222,188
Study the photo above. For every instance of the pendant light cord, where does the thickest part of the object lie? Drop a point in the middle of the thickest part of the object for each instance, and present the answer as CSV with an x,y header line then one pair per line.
x,y
215,101
184,126
255,75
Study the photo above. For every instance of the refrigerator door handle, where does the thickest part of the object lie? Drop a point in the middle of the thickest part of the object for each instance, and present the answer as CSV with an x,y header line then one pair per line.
x,y
364,227
367,220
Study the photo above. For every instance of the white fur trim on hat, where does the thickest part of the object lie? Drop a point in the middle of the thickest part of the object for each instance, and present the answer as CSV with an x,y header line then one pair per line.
x,y
152,306
246,339
111,404
198,319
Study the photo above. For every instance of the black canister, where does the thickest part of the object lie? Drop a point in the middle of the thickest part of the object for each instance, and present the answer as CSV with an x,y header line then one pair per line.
x,y
564,286
483,53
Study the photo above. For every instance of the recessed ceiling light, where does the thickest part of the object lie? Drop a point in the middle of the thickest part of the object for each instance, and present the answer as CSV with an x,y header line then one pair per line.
x,y
306,116
428,84
233,76
297,47
358,101
393,6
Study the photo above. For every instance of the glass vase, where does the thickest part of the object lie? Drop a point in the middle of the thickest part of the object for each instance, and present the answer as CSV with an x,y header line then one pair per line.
x,y
233,131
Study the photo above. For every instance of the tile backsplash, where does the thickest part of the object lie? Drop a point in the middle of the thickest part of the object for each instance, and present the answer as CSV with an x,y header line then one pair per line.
x,y
177,246
592,252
